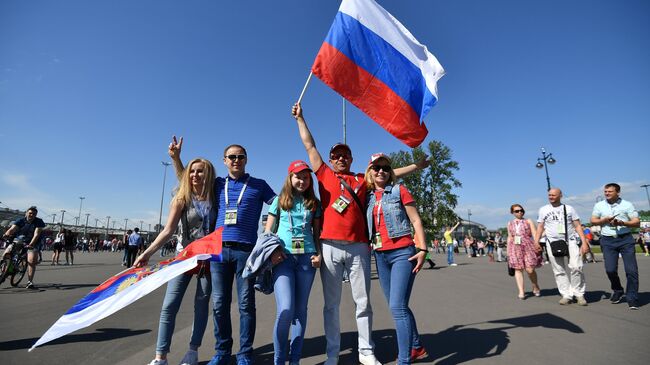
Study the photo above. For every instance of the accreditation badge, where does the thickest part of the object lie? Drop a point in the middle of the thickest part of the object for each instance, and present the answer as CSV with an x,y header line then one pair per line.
x,y
340,204
297,245
517,240
376,241
231,217
560,228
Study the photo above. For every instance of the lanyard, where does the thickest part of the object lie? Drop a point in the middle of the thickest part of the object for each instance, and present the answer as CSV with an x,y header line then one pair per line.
x,y
517,228
379,210
356,190
241,193
304,219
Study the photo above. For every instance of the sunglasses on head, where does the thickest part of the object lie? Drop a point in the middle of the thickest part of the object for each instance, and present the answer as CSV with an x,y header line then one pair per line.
x,y
519,211
236,157
376,168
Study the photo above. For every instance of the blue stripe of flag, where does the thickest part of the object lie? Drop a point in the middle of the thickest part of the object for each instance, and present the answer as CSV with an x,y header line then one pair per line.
x,y
372,53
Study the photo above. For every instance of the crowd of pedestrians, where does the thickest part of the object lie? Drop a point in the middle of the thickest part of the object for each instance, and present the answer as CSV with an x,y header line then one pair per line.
x,y
358,216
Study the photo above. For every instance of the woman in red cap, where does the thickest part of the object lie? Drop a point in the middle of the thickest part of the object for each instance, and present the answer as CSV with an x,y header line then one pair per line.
x,y
296,213
391,212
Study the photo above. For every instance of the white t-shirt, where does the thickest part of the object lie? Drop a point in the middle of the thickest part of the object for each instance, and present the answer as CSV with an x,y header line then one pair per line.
x,y
553,218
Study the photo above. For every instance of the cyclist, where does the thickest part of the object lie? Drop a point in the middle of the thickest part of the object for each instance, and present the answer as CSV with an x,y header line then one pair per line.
x,y
30,227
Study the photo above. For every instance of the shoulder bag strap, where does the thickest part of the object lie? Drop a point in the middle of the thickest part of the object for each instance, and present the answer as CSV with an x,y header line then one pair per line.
x,y
358,201
566,225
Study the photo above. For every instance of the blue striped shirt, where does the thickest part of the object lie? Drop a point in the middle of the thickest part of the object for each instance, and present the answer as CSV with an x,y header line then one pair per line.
x,y
249,210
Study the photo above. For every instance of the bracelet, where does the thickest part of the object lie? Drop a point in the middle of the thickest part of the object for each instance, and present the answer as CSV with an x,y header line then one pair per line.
x,y
418,250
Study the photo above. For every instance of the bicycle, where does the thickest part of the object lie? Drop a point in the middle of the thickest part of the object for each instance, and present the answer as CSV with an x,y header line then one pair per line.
x,y
14,265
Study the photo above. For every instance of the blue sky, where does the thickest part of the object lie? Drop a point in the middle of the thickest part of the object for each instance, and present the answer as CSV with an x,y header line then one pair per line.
x,y
91,93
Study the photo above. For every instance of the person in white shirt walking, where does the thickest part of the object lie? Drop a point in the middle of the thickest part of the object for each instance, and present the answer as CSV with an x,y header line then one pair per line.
x,y
561,222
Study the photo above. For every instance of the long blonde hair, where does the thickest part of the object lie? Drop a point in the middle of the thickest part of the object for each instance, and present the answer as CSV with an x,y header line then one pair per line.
x,y
286,195
370,182
184,193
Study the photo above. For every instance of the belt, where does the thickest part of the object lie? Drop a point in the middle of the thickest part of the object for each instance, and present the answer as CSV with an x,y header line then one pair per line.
x,y
238,246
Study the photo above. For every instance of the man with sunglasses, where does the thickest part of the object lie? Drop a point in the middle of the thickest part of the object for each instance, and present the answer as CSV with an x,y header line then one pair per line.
x,y
240,198
616,217
344,240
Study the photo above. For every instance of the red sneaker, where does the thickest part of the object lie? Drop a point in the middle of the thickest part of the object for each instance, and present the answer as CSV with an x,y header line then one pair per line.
x,y
419,353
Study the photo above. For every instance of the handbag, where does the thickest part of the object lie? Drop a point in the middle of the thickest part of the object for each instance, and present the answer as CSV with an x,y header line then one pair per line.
x,y
511,271
560,248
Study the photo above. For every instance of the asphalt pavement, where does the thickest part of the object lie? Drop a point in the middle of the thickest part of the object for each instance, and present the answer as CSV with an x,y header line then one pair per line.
x,y
466,314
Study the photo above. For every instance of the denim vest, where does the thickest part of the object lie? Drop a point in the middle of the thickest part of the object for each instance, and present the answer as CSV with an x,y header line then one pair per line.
x,y
397,222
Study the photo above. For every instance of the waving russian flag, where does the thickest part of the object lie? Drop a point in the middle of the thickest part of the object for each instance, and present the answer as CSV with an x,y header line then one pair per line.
x,y
374,62
131,285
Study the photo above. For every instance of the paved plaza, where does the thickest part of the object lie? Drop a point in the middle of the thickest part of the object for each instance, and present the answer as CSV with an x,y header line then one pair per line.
x,y
466,314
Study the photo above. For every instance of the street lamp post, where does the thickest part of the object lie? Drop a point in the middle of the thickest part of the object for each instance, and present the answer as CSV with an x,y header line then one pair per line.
x,y
86,226
108,220
81,201
646,192
126,221
547,159
469,221
62,214
162,196
53,217
141,222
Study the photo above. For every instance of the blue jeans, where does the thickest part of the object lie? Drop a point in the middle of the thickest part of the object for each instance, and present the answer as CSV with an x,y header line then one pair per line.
x,y
396,278
611,247
292,281
223,273
450,254
173,297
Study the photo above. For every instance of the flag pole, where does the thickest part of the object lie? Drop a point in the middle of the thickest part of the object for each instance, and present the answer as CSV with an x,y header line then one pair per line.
x,y
305,87
344,122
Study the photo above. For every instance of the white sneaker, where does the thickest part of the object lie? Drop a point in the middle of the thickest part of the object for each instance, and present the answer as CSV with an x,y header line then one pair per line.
x,y
368,359
158,362
191,358
454,264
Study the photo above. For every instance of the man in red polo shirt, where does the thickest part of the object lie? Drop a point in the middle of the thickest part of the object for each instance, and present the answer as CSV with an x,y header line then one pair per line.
x,y
344,240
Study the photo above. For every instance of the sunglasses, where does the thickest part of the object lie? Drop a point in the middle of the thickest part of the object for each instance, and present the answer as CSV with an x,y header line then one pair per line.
x,y
376,168
236,157
519,211
337,156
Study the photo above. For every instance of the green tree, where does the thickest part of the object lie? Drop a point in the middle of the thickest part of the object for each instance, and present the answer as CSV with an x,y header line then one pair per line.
x,y
432,187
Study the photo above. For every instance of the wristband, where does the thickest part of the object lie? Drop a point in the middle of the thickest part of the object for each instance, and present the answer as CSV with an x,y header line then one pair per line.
x,y
418,250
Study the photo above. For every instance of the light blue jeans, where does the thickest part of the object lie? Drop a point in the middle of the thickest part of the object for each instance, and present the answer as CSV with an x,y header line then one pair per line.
x,y
173,297
339,256
450,254
396,278
292,281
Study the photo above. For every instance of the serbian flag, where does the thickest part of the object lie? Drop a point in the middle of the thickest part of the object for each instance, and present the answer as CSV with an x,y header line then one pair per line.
x,y
131,285
374,62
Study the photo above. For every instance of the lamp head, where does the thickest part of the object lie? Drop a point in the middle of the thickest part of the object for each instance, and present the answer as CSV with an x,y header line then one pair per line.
x,y
539,165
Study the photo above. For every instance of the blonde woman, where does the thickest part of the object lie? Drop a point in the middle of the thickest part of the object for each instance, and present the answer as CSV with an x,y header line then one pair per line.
x,y
195,208
390,213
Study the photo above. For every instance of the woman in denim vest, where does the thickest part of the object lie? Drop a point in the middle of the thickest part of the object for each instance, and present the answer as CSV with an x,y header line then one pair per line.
x,y
391,212
193,206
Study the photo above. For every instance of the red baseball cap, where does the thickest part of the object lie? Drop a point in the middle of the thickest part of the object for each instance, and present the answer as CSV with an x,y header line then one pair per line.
x,y
297,166
377,156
